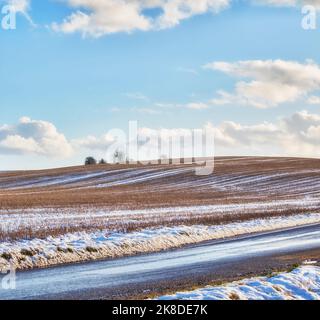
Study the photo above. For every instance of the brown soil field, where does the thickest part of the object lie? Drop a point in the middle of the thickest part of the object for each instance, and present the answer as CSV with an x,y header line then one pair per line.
x,y
281,186
234,180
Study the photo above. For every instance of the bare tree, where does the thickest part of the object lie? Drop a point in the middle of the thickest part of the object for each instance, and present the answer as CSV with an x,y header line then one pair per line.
x,y
119,156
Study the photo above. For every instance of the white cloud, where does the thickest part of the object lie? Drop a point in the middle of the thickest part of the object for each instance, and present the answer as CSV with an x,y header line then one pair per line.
x,y
315,3
136,96
147,110
235,134
297,135
303,134
95,143
22,7
96,18
104,17
313,100
33,137
277,3
270,82
188,70
196,106
287,3
301,122
177,10
190,105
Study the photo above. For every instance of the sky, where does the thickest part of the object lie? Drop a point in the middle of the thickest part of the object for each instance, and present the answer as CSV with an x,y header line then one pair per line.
x,y
73,70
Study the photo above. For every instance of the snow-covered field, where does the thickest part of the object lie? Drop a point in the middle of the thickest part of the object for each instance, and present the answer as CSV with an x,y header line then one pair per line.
x,y
303,283
83,246
47,221
50,217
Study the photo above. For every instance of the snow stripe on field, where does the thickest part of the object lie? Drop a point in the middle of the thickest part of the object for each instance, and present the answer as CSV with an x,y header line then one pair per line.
x,y
49,218
300,284
82,246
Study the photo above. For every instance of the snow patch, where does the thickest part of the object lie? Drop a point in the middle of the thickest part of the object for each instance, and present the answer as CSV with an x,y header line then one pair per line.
x,y
54,218
302,283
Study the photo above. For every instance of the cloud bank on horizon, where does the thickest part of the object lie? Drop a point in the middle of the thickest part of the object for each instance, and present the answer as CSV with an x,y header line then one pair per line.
x,y
297,135
33,137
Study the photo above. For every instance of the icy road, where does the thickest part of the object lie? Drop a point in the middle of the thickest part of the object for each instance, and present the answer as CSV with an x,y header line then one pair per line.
x,y
135,275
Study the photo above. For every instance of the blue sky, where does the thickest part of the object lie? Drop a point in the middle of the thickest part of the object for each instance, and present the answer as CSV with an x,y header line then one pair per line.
x,y
85,84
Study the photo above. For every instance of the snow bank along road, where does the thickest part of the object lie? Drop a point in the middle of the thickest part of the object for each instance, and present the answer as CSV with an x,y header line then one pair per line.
x,y
127,276
302,283
103,244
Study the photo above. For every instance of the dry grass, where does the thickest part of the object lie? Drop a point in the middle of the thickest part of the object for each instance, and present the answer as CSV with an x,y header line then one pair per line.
x,y
140,222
